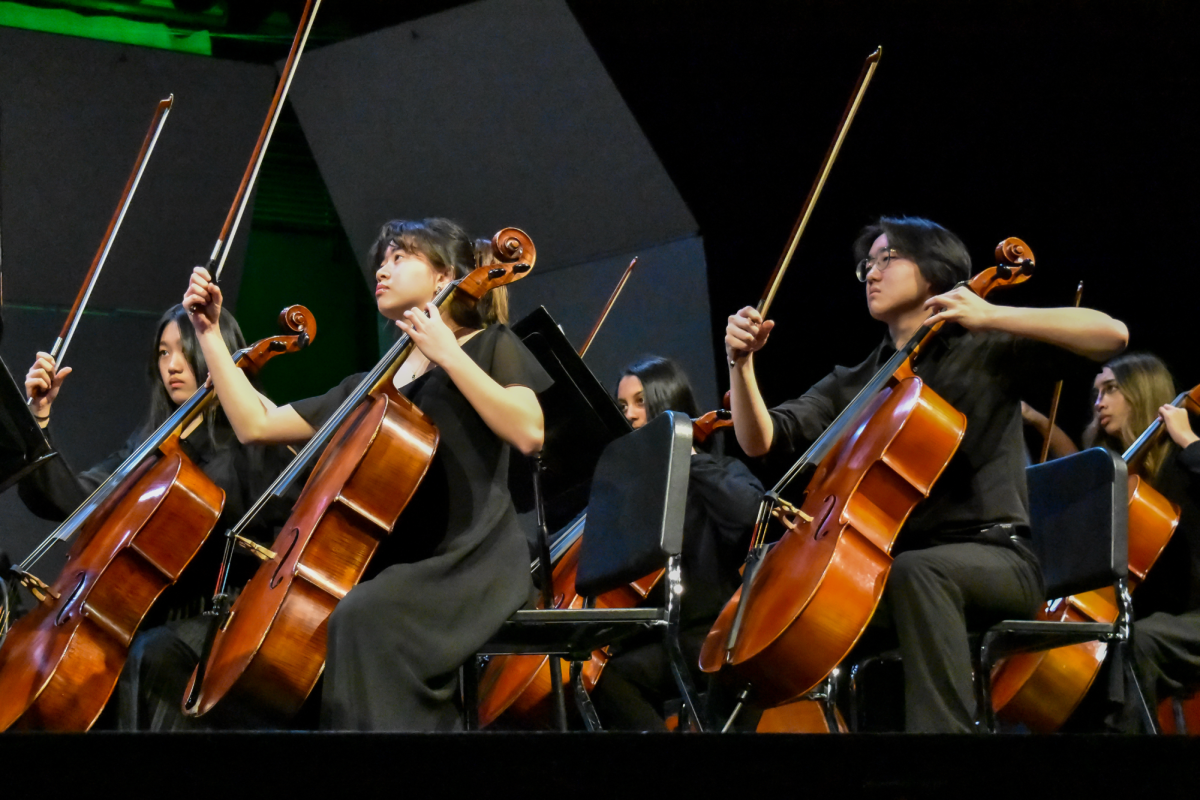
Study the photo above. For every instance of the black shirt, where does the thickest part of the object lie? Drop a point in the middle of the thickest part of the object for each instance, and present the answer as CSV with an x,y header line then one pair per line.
x,y
722,503
984,375
1173,583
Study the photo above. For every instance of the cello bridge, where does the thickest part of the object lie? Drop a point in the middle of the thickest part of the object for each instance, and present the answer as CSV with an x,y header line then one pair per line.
x,y
788,514
36,586
263,553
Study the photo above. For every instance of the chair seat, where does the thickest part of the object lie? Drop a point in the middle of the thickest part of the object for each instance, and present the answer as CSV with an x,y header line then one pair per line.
x,y
1022,636
571,633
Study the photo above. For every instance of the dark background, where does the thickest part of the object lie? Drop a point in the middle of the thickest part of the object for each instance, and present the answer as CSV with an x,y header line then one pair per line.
x,y
1070,125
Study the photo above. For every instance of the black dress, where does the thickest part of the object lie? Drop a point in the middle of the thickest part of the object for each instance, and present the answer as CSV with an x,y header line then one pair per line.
x,y
722,503
166,648
455,567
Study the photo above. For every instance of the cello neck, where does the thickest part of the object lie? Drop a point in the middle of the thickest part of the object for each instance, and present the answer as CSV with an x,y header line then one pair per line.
x,y
1149,436
825,442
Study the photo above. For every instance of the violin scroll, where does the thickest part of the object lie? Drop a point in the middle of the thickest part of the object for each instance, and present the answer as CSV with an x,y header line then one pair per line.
x,y
515,257
1015,265
300,321
299,329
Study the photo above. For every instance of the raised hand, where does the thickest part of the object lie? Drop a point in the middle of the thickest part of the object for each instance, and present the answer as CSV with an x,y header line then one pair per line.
x,y
746,333
42,383
203,301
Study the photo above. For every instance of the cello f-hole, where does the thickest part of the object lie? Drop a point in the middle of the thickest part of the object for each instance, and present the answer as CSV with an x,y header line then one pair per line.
x,y
283,559
822,517
63,613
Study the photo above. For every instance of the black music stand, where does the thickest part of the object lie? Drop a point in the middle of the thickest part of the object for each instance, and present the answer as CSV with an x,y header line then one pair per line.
x,y
23,446
581,419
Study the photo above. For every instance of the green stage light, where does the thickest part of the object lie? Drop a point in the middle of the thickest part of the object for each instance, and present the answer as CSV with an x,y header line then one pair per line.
x,y
110,29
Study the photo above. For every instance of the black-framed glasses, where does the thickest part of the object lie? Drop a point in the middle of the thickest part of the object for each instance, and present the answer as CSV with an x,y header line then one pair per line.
x,y
882,260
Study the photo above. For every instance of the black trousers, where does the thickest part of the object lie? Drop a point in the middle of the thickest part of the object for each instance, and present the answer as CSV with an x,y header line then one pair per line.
x,y
637,682
1166,656
938,594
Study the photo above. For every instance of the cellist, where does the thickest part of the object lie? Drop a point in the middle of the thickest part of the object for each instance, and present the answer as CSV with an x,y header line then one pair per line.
x,y
1130,392
962,560
456,565
163,654
722,500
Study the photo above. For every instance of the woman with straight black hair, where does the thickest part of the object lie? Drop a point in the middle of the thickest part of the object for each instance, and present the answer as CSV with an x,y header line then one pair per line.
x,y
163,655
962,560
456,565
722,502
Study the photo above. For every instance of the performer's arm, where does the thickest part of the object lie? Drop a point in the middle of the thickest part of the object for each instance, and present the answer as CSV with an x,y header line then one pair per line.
x,y
745,334
511,412
1085,331
253,418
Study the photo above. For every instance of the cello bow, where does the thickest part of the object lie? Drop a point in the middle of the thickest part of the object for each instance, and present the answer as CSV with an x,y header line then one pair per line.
x,y
583,348
220,251
1057,394
59,351
814,193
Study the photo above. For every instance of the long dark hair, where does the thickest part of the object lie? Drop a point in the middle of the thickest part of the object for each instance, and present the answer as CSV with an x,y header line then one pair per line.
x,y
161,404
665,386
449,250
1147,385
941,256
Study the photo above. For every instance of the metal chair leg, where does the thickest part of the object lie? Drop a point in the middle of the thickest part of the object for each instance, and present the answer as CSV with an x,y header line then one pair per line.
x,y
583,702
468,682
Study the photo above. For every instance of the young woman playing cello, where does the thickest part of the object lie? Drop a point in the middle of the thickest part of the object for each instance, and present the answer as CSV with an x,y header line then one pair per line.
x,y
164,653
458,564
1131,391
962,560
722,501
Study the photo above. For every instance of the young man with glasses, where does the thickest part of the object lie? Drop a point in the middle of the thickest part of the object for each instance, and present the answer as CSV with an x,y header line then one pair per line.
x,y
962,561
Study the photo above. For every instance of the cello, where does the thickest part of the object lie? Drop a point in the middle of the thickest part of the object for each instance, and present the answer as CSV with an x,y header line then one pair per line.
x,y
268,649
135,535
806,599
1043,689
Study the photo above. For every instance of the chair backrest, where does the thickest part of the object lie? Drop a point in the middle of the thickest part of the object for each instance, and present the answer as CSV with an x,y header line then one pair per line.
x,y
637,504
1079,518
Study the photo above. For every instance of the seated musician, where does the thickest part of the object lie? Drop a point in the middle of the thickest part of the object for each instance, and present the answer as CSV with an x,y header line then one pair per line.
x,y
1131,391
962,560
164,653
458,564
722,501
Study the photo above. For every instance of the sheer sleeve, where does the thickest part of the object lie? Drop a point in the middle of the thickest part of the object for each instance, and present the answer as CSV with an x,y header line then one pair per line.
x,y
513,364
315,410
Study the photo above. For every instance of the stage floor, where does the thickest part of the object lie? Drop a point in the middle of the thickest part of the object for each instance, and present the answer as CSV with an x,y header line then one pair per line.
x,y
305,765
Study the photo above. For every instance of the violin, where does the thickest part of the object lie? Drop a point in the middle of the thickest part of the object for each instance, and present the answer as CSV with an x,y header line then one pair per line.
x,y
135,535
1043,689
269,649
806,600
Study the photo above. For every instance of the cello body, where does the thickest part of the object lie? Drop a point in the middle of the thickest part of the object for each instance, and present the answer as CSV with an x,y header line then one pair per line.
x,y
271,649
60,663
818,586
1042,690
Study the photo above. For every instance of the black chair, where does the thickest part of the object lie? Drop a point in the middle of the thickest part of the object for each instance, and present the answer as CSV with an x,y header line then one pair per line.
x,y
634,526
1079,518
